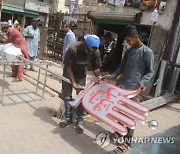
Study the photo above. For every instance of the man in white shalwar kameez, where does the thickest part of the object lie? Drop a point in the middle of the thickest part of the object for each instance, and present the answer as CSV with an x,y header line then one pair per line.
x,y
32,36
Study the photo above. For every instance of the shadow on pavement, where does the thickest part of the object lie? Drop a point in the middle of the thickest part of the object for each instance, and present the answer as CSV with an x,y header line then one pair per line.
x,y
6,84
45,114
84,143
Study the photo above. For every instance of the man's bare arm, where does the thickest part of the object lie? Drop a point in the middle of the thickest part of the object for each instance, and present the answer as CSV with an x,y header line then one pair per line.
x,y
72,79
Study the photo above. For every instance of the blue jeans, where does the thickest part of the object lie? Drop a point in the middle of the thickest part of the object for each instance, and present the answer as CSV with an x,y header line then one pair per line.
x,y
67,95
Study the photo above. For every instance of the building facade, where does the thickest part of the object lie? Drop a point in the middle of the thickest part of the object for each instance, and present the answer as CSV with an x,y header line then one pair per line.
x,y
66,6
25,10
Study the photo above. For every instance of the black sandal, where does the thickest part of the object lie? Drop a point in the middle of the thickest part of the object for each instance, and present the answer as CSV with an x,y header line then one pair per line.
x,y
122,148
65,123
79,129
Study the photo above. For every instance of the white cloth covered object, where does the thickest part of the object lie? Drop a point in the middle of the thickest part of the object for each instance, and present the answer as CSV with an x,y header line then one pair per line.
x,y
10,52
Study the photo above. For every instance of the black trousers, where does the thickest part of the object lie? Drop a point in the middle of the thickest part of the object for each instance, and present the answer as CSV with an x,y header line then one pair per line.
x,y
128,137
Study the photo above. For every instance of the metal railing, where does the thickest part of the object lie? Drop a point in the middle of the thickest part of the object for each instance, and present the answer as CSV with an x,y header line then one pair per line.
x,y
59,76
46,71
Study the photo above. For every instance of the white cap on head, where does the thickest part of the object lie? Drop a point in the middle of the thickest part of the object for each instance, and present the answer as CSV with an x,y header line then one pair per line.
x,y
10,22
4,24
16,22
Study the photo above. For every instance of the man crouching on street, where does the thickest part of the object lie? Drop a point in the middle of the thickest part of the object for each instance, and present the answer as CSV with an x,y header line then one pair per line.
x,y
136,68
79,55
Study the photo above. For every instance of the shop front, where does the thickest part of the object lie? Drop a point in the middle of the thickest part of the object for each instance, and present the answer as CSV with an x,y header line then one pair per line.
x,y
23,16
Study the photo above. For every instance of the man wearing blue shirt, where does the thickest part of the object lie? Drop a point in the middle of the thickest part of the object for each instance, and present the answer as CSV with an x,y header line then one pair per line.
x,y
69,38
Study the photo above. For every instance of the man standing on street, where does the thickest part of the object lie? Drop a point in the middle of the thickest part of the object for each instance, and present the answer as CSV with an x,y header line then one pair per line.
x,y
69,38
136,68
32,36
77,58
15,37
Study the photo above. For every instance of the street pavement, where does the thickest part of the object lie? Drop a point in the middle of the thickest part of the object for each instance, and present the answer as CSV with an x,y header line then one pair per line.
x,y
30,126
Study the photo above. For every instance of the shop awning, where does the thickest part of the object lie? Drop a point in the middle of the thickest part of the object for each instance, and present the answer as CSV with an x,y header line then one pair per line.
x,y
19,10
114,18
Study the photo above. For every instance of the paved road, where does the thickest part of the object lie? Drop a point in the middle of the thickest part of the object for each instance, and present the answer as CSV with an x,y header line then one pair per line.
x,y
27,128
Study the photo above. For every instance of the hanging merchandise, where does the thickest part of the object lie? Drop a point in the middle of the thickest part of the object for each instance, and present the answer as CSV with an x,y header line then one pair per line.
x,y
116,2
134,3
120,2
68,2
70,20
148,4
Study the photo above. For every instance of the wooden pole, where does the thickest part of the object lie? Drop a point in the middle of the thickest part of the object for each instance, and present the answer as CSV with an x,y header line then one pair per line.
x,y
43,37
150,36
1,4
158,91
84,21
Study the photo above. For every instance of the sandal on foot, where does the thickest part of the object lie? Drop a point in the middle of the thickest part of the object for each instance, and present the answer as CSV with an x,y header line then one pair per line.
x,y
65,123
122,148
79,129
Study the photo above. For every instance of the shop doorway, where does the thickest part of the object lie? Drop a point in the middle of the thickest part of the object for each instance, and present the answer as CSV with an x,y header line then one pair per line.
x,y
18,17
6,16
113,60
